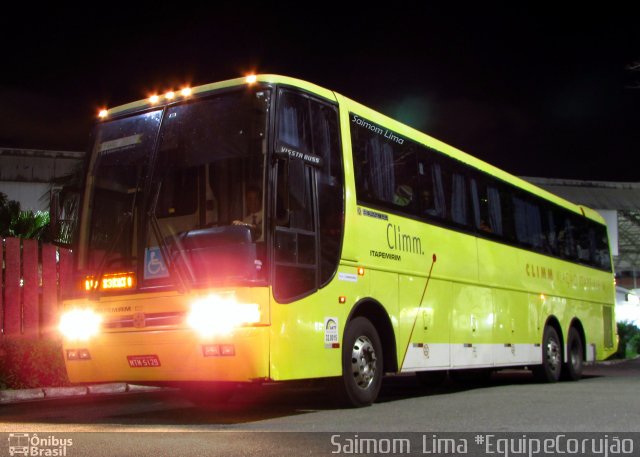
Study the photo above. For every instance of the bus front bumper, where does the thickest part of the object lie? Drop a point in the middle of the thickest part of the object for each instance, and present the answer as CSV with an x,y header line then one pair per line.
x,y
169,356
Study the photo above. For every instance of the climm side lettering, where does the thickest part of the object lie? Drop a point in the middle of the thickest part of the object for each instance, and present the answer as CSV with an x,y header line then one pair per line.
x,y
536,271
404,242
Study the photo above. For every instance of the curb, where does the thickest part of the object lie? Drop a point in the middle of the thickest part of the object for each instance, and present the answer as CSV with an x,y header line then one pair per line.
x,y
8,397
14,396
607,363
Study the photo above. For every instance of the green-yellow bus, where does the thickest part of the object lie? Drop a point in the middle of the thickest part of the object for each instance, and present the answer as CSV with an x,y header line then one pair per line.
x,y
265,229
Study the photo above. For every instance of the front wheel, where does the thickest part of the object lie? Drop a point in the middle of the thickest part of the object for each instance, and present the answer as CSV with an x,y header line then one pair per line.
x,y
362,364
572,370
551,366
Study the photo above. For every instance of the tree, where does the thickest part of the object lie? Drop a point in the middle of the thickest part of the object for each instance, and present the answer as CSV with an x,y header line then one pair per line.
x,y
9,212
22,224
64,204
628,335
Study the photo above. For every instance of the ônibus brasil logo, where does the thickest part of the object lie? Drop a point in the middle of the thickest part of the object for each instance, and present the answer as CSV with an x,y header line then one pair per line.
x,y
33,445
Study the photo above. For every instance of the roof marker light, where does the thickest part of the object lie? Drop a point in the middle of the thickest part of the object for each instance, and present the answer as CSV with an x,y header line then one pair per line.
x,y
103,113
154,99
170,95
185,92
251,79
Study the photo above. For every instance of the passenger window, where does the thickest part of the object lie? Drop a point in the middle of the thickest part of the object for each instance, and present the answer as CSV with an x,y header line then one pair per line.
x,y
459,200
385,169
566,242
432,199
527,223
489,216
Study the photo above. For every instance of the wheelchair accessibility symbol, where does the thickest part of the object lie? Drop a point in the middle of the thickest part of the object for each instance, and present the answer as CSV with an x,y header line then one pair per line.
x,y
154,266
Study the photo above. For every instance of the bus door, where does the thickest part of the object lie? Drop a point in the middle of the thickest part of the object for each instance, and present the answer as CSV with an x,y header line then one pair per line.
x,y
295,245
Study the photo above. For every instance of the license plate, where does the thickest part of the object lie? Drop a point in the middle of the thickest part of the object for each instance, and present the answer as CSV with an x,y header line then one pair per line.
x,y
143,361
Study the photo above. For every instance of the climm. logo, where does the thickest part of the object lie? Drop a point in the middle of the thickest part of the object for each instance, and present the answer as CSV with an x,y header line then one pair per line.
x,y
536,271
404,242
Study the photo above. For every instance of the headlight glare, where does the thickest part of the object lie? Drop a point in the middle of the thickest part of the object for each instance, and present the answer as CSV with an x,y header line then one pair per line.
x,y
219,315
80,324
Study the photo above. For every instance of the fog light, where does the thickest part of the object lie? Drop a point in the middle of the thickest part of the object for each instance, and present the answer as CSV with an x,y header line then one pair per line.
x,y
227,350
211,350
78,354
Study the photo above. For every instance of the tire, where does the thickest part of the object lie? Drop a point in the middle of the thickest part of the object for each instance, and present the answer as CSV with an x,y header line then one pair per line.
x,y
572,369
551,367
362,365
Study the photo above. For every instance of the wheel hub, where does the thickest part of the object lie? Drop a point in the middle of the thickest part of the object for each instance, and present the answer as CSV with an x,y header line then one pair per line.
x,y
553,355
363,362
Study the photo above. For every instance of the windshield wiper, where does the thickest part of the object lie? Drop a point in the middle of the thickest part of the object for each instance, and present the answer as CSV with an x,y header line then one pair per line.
x,y
175,270
95,286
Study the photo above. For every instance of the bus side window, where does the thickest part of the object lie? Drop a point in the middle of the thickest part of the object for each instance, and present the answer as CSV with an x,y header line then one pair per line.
x,y
427,205
507,211
377,162
566,241
603,258
456,193
528,223
550,240
585,243
495,216
432,200
488,214
385,170
459,199
330,188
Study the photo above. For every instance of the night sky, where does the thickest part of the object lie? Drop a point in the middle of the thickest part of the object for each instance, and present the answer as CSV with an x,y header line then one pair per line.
x,y
536,91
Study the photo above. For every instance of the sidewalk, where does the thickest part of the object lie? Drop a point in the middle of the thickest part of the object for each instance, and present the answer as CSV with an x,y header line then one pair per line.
x,y
21,395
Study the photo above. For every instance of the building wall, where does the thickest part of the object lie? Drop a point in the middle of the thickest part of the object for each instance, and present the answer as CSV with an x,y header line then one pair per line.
x,y
31,195
26,174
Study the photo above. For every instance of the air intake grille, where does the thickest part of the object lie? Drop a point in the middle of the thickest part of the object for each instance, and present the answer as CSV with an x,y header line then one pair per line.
x,y
141,320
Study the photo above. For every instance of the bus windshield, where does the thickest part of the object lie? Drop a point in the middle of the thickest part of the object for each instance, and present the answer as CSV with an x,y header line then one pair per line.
x,y
176,194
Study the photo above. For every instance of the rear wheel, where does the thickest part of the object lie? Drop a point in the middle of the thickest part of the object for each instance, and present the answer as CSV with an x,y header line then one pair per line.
x,y
361,364
572,370
551,366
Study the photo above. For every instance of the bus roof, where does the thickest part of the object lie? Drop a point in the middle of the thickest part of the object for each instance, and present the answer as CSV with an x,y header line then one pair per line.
x,y
374,116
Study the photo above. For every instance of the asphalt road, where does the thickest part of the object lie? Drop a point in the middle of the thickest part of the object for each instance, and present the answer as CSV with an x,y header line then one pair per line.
x,y
607,400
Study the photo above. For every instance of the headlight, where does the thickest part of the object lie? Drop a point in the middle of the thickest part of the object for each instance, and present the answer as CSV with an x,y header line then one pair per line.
x,y
80,324
216,315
